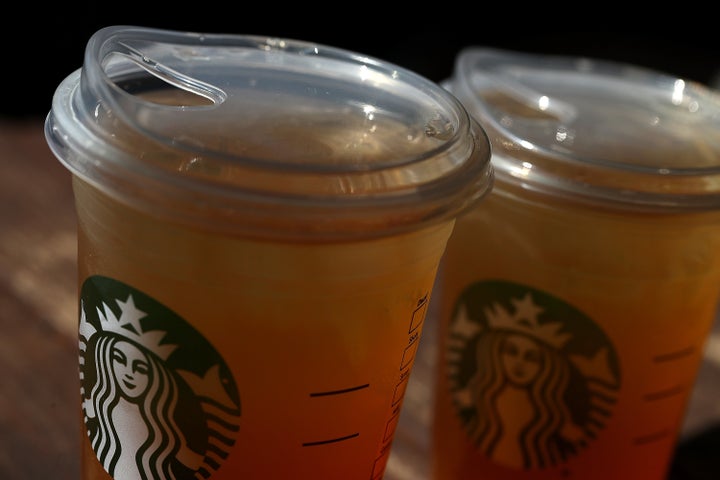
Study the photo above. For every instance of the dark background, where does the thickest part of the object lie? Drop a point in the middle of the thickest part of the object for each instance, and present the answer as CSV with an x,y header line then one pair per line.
x,y
41,44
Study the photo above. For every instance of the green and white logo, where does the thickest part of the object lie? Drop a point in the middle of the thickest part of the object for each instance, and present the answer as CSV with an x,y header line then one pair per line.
x,y
158,400
533,379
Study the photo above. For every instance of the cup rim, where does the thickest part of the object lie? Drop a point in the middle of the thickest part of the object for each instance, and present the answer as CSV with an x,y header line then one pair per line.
x,y
403,192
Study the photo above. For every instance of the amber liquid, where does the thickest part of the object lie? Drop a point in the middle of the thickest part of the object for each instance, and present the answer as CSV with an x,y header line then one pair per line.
x,y
319,336
290,320
648,281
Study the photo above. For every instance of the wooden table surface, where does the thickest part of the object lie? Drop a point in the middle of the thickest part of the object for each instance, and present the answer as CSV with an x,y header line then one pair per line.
x,y
39,431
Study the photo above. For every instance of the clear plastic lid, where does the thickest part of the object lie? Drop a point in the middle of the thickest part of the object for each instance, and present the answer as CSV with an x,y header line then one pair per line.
x,y
594,130
266,136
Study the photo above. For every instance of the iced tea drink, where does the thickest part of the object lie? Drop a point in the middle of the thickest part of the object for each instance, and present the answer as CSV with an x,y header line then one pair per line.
x,y
260,225
574,306
293,357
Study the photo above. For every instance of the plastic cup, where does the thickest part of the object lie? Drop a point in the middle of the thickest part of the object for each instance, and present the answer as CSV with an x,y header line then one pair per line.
x,y
575,304
260,225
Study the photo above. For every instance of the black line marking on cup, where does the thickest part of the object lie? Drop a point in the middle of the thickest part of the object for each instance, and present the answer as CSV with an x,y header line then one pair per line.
x,y
652,437
676,355
339,392
331,440
662,394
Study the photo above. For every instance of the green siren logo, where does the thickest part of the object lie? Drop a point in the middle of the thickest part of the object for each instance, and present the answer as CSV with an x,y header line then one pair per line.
x,y
158,401
532,378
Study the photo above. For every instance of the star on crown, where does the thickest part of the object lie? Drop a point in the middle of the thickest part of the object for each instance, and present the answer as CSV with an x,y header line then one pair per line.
x,y
525,320
128,326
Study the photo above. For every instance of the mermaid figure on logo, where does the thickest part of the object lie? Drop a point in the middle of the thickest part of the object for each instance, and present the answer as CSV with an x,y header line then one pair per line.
x,y
133,401
518,393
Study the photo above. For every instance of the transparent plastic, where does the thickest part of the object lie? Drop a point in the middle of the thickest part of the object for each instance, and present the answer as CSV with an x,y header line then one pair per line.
x,y
573,307
183,124
595,130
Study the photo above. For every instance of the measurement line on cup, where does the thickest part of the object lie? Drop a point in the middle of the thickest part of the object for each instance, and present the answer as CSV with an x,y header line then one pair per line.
x,y
329,393
652,437
676,355
339,392
331,440
662,394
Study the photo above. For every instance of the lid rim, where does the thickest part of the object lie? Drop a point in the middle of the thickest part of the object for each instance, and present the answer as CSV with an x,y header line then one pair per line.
x,y
603,179
427,195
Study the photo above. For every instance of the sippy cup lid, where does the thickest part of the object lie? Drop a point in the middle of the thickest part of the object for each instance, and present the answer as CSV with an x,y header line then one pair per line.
x,y
594,130
266,136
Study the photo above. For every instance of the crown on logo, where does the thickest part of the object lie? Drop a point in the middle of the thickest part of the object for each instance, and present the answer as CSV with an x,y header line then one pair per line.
x,y
128,326
525,321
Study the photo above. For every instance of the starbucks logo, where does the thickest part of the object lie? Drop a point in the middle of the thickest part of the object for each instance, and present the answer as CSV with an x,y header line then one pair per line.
x,y
533,379
158,401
